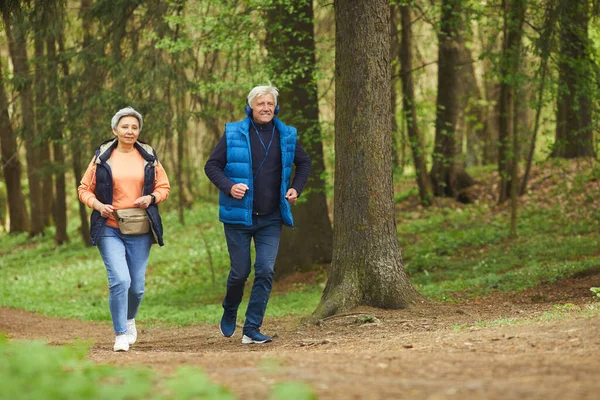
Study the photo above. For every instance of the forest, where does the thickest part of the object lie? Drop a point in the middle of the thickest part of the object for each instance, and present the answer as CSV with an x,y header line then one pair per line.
x,y
453,196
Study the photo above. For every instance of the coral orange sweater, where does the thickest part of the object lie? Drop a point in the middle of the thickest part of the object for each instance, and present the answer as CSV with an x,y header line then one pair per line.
x,y
128,181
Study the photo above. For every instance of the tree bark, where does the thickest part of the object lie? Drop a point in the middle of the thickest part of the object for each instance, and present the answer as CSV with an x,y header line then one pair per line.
x,y
574,129
17,45
11,167
91,85
293,46
445,168
40,31
509,68
367,265
394,52
55,128
410,109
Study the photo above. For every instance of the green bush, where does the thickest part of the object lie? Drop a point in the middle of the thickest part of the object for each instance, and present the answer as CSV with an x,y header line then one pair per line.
x,y
34,370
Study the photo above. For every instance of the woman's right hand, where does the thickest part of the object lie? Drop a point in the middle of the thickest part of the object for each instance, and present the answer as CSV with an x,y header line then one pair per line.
x,y
104,209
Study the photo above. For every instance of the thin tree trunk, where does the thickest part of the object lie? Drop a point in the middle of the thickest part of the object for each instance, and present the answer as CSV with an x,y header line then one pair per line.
x,y
513,30
514,173
549,23
181,129
55,129
410,109
41,109
367,266
91,85
11,167
17,45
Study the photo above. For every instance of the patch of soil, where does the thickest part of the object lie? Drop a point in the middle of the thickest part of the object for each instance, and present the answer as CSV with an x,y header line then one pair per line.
x,y
431,351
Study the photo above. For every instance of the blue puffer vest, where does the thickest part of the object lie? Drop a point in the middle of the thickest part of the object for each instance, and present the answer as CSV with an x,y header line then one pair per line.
x,y
239,170
104,187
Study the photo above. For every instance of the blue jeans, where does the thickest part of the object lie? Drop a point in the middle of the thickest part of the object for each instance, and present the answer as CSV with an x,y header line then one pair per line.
x,y
125,258
266,231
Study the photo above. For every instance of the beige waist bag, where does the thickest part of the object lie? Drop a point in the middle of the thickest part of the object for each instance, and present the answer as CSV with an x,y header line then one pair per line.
x,y
132,221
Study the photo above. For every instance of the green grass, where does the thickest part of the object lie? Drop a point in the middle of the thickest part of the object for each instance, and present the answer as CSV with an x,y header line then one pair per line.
x,y
449,254
34,370
471,252
70,280
561,311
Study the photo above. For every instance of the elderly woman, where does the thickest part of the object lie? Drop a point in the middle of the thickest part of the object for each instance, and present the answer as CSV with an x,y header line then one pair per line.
x,y
124,174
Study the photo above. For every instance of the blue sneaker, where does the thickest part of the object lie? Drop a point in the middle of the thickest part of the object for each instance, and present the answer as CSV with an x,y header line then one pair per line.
x,y
255,337
227,325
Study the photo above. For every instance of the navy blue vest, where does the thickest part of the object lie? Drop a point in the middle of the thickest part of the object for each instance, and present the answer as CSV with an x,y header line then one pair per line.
x,y
104,187
239,170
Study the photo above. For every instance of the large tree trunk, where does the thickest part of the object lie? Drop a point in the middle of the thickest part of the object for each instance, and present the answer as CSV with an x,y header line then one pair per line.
x,y
394,52
574,129
293,46
446,169
509,69
17,45
367,266
11,167
410,109
55,127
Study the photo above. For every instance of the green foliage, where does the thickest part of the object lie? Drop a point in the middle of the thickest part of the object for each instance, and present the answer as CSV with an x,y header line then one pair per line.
x,y
34,370
448,253
596,291
293,391
70,280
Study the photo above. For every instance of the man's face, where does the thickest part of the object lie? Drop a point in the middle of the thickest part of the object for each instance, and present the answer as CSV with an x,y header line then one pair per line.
x,y
263,109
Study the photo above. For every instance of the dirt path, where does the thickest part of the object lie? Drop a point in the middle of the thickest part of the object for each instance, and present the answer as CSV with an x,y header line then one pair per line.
x,y
414,354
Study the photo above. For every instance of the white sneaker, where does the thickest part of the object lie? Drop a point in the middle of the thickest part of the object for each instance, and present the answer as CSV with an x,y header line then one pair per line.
x,y
131,331
121,343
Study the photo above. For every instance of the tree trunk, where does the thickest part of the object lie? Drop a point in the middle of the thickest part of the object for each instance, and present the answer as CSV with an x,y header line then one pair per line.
x,y
40,30
445,168
90,85
293,46
55,129
11,167
474,113
367,266
394,51
17,45
551,15
574,129
410,109
509,69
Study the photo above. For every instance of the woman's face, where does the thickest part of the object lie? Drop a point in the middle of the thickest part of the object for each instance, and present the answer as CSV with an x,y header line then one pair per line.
x,y
128,130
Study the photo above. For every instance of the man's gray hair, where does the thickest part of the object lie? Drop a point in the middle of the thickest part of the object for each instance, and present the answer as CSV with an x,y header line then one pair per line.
x,y
126,112
259,91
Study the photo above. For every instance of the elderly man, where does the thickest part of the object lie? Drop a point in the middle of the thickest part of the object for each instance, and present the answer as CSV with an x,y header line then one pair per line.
x,y
252,167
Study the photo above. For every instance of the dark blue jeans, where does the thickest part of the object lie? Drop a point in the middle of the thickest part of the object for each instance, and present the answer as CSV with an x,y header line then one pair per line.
x,y
265,230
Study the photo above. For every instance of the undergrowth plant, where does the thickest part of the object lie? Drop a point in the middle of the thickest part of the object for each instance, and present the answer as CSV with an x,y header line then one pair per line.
x,y
449,252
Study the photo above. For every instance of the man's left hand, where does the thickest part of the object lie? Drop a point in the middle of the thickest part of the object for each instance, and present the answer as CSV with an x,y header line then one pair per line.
x,y
291,196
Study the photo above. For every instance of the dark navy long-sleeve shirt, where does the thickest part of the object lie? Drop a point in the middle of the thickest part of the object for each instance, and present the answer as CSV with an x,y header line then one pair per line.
x,y
268,180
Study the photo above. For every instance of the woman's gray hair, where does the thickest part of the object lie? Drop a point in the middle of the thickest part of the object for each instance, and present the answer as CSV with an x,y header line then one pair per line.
x,y
259,91
126,112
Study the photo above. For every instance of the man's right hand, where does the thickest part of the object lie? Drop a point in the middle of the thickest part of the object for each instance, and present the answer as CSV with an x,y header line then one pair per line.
x,y
238,190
